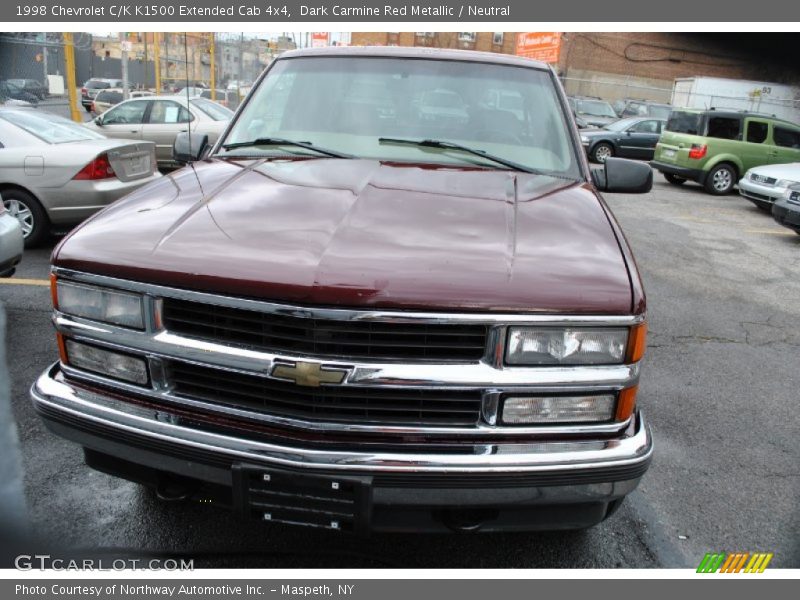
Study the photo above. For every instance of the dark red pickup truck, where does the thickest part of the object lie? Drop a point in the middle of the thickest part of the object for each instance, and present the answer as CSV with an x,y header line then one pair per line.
x,y
390,297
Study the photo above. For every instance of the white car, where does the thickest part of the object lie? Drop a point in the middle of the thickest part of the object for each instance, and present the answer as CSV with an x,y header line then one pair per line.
x,y
765,184
159,119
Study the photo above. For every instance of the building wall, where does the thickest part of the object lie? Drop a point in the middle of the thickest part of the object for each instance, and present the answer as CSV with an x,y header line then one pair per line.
x,y
615,65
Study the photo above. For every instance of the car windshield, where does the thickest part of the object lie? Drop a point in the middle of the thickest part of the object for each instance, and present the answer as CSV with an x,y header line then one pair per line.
x,y
347,104
685,122
620,125
50,128
594,108
216,111
660,111
97,85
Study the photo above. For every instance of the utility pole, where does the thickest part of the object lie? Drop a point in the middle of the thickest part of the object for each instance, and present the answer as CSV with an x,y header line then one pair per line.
x,y
44,59
146,82
123,43
213,66
72,86
157,62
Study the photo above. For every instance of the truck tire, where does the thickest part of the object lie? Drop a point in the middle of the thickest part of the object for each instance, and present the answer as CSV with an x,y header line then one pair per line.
x,y
721,179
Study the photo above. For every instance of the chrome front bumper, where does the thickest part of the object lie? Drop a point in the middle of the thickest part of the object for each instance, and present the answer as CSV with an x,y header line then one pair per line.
x,y
92,412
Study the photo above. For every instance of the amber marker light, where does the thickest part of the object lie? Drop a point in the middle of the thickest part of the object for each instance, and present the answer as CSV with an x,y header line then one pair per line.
x,y
637,341
626,402
53,290
62,348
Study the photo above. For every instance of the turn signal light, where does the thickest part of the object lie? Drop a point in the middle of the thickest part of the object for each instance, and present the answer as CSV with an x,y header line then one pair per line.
x,y
99,168
637,341
698,151
626,402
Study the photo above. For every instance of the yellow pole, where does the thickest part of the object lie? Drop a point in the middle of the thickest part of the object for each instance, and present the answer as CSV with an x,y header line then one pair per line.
x,y
72,84
157,61
213,74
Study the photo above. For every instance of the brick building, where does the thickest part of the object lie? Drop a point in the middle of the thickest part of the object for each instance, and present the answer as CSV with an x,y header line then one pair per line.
x,y
610,65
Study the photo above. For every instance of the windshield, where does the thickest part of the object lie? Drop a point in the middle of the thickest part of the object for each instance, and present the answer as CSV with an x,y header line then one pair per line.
x,y
346,104
50,128
685,122
595,108
620,125
216,111
660,111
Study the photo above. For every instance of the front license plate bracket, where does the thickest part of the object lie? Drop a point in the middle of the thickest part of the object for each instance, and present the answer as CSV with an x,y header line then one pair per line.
x,y
313,500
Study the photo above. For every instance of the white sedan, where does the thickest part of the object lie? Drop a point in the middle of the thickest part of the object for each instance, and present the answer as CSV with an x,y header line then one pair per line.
x,y
159,119
765,184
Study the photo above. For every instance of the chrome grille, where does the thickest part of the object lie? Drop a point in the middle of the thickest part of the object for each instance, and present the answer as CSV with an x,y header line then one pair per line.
x,y
349,404
323,337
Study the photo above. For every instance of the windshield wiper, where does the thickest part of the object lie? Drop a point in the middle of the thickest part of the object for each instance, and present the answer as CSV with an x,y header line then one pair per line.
x,y
272,141
452,146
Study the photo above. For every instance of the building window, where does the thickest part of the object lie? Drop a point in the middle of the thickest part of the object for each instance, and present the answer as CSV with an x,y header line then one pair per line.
x,y
393,38
497,38
467,36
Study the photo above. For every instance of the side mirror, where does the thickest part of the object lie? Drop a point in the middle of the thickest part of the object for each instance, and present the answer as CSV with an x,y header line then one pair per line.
x,y
623,176
98,120
188,148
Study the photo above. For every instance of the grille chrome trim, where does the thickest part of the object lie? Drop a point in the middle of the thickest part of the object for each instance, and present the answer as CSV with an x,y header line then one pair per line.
x,y
488,374
61,396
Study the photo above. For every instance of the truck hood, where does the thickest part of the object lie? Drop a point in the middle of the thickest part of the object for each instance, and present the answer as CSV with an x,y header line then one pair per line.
x,y
353,233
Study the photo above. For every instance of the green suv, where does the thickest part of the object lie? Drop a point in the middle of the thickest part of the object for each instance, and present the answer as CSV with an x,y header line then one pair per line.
x,y
715,148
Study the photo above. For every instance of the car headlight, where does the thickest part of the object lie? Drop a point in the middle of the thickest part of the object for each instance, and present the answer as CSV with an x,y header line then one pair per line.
x,y
785,183
574,346
99,304
584,139
106,362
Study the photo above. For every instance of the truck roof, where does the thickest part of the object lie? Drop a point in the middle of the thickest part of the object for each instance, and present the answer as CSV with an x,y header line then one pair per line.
x,y
418,53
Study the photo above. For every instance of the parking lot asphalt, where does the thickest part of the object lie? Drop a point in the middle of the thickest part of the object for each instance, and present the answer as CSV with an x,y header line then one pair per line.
x,y
719,387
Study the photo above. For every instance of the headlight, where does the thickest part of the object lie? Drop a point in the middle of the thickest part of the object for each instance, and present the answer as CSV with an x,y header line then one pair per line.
x,y
108,363
98,304
785,183
584,139
559,409
568,346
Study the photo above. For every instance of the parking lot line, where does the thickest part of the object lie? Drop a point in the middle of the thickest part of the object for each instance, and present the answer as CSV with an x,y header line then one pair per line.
x,y
771,232
12,281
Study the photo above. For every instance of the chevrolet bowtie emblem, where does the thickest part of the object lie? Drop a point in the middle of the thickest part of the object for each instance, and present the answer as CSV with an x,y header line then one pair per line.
x,y
309,374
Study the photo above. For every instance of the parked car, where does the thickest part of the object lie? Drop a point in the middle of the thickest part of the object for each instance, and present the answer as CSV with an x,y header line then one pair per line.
x,y
193,91
11,241
716,147
54,173
764,185
12,92
159,119
628,138
629,107
105,99
93,86
228,98
594,111
786,209
32,86
423,334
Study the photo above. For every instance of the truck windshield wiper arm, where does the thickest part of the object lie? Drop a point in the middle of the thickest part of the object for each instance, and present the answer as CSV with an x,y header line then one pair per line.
x,y
272,141
452,146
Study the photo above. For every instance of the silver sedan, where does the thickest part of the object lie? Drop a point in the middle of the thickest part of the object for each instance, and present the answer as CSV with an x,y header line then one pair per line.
x,y
159,119
10,242
54,173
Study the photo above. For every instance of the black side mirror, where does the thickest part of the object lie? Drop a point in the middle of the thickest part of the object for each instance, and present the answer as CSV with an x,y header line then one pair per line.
x,y
623,176
98,120
188,148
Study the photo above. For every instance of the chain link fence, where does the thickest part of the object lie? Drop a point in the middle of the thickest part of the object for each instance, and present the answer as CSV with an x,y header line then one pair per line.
x,y
33,65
